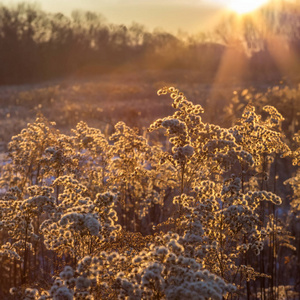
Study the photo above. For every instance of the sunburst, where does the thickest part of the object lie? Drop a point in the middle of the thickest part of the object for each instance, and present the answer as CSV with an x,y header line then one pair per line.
x,y
246,6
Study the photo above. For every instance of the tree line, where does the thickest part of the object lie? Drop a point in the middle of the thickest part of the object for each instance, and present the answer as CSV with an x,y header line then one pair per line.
x,y
36,45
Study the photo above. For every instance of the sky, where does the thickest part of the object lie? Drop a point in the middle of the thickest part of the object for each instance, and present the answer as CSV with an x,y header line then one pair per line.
x,y
187,15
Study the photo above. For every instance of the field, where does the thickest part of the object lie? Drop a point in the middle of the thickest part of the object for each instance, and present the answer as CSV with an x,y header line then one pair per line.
x,y
107,99
201,205
144,165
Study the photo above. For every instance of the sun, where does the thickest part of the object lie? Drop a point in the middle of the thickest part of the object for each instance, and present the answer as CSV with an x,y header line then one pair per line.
x,y
245,6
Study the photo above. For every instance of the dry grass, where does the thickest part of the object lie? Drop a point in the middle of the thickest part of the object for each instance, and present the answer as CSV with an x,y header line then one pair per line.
x,y
104,100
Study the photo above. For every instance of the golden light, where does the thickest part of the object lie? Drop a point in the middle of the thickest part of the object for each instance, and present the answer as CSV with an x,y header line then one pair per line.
x,y
245,6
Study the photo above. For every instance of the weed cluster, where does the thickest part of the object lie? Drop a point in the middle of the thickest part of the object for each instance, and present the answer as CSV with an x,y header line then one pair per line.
x,y
90,216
